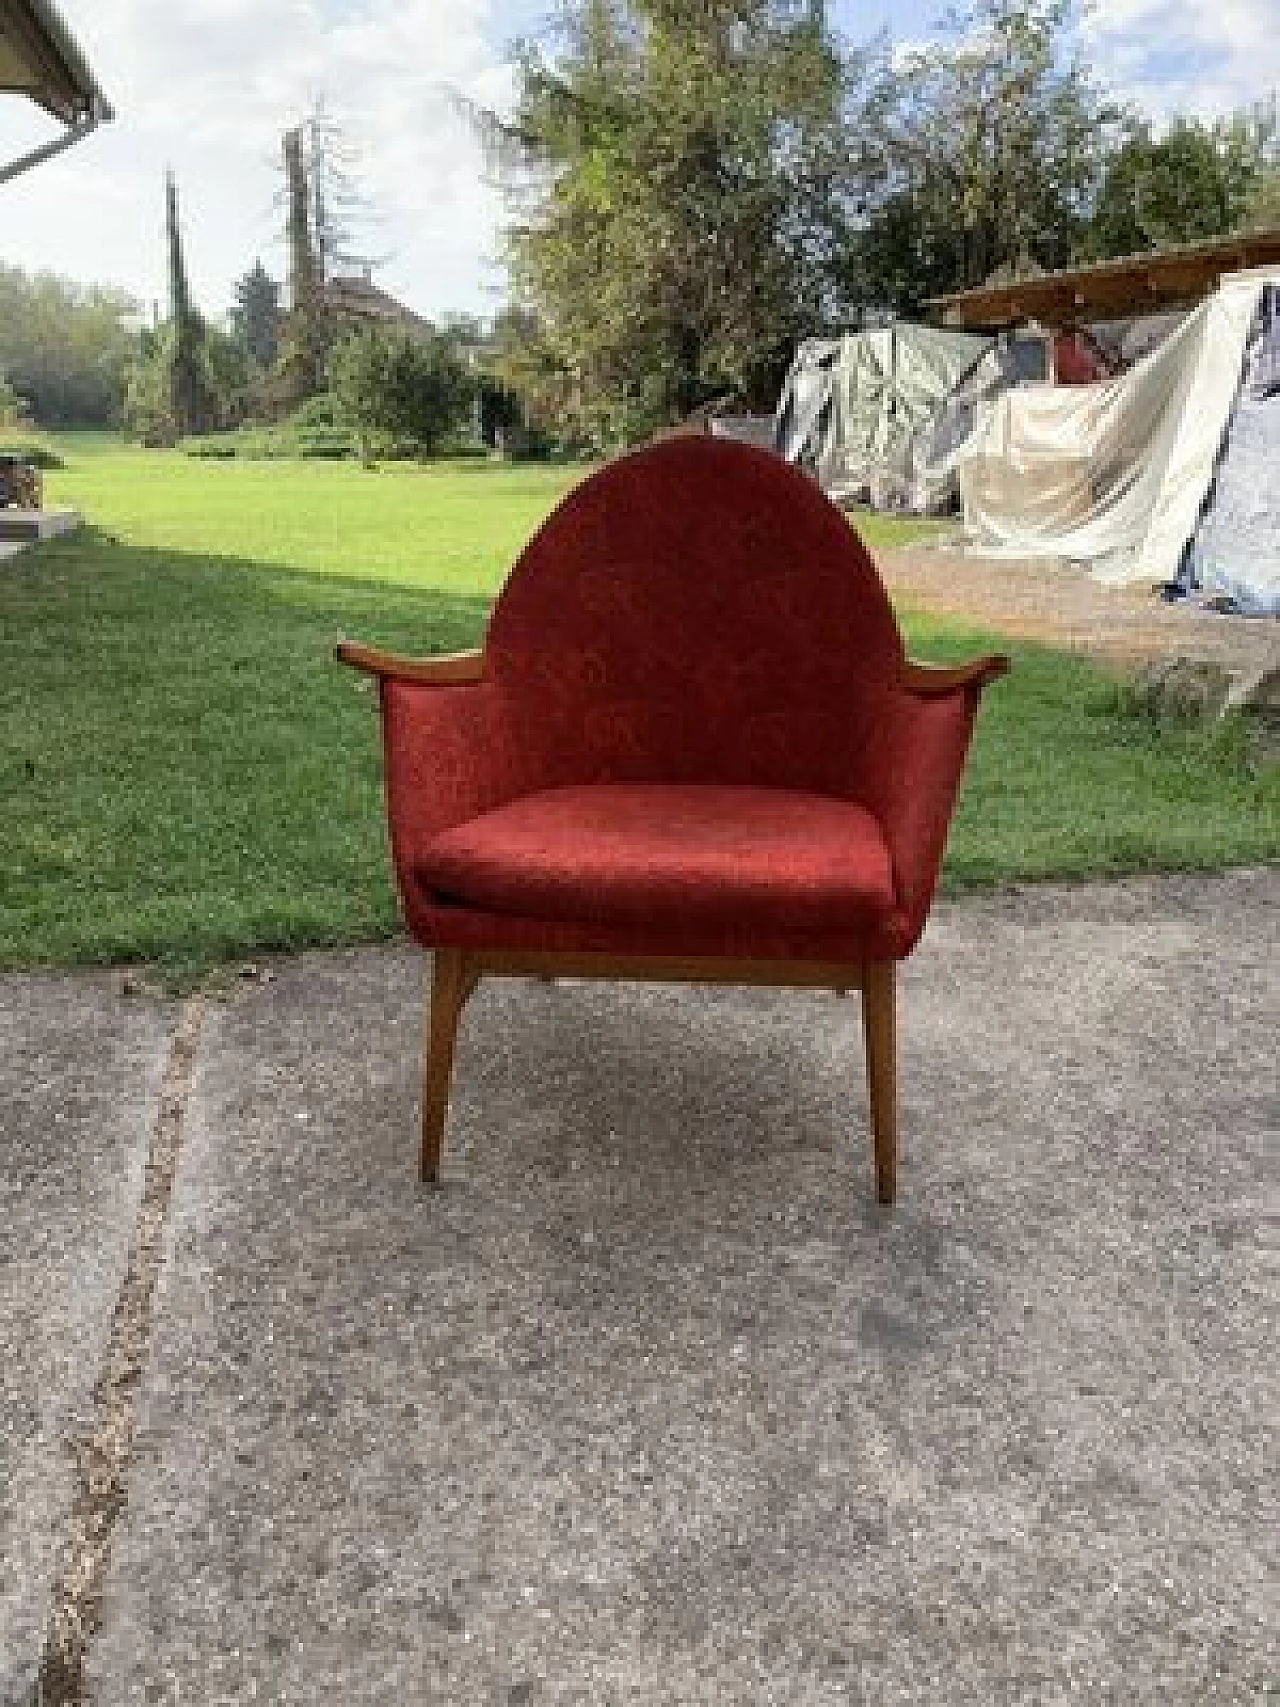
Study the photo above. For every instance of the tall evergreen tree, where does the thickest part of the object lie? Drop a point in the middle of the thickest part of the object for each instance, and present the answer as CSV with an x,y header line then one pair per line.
x,y
256,314
189,395
305,333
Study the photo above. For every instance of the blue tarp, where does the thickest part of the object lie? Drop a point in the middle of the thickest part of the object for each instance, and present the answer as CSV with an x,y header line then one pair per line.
x,y
1236,553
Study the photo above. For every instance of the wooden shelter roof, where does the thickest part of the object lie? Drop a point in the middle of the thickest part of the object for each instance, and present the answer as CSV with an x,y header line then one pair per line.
x,y
1135,284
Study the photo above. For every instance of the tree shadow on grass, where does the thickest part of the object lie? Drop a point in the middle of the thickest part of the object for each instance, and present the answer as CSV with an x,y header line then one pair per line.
x,y
188,774
92,573
189,777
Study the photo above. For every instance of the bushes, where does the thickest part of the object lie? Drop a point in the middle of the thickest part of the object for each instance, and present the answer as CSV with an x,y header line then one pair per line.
x,y
15,437
390,397
313,430
400,395
215,378
32,451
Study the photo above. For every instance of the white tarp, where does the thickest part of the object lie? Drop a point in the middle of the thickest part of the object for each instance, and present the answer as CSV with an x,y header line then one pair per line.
x,y
1115,475
862,410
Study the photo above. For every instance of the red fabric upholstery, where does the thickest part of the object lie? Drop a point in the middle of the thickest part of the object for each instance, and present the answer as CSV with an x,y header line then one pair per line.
x,y
696,616
696,612
672,856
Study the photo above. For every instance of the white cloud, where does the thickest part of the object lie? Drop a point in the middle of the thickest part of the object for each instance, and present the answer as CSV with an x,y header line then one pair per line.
x,y
1203,58
208,86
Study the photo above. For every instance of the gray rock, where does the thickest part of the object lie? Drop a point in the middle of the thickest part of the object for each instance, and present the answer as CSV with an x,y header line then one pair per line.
x,y
1182,687
1255,691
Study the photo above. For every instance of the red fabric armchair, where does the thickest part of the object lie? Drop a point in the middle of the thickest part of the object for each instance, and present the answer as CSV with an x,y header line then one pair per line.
x,y
692,748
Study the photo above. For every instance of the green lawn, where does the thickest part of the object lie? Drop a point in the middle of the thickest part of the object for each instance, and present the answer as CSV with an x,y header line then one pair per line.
x,y
187,778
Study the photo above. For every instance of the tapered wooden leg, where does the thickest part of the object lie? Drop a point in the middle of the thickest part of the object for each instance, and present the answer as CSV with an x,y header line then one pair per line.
x,y
450,987
879,1028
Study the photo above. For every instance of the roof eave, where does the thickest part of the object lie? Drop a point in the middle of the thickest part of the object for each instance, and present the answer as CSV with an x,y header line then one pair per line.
x,y
1150,282
79,97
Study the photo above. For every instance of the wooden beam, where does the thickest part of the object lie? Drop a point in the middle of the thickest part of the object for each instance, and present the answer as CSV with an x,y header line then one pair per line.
x,y
664,968
1127,285
448,668
934,681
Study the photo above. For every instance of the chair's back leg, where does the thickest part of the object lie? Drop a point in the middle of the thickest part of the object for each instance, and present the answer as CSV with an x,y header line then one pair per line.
x,y
879,1028
451,984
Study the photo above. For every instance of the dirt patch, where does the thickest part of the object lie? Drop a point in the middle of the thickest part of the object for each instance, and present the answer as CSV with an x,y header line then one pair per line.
x,y
1063,606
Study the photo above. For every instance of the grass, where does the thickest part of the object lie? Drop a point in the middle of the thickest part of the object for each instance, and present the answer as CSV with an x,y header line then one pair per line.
x,y
187,780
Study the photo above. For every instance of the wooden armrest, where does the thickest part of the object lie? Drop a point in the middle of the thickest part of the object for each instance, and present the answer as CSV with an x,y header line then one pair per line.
x,y
449,667
932,681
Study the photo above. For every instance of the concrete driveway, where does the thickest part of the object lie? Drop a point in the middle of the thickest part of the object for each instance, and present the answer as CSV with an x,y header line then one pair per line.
x,y
650,1404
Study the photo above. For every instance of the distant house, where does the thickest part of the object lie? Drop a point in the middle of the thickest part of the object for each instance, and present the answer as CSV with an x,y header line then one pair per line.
x,y
356,302
39,59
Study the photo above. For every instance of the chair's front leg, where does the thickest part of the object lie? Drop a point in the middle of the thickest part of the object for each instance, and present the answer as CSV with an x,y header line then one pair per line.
x,y
879,1028
452,981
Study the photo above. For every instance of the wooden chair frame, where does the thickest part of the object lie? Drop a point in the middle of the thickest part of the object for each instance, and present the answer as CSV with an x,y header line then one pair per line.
x,y
456,972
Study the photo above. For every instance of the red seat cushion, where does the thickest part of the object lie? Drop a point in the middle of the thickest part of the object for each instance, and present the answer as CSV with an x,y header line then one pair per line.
x,y
668,854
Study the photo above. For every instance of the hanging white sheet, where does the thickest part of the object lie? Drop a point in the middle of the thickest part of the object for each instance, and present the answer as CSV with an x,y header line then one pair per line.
x,y
1114,475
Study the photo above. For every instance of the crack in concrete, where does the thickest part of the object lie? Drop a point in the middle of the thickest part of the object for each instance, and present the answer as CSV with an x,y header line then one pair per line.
x,y
104,1453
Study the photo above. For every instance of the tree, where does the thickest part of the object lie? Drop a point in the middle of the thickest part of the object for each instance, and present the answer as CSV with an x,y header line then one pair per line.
x,y
1262,210
682,212
400,393
1193,182
228,375
66,347
988,150
1262,203
905,254
256,315
224,381
147,408
520,387
13,408
190,400
339,202
305,334
186,376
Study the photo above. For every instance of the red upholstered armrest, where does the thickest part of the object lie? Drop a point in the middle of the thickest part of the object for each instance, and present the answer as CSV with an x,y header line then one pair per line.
x,y
448,757
447,740
911,759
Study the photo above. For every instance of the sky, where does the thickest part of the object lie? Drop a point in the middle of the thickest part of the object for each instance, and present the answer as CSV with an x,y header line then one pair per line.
x,y
206,87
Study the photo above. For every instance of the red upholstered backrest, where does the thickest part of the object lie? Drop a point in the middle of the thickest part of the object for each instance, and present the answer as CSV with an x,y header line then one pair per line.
x,y
695,611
